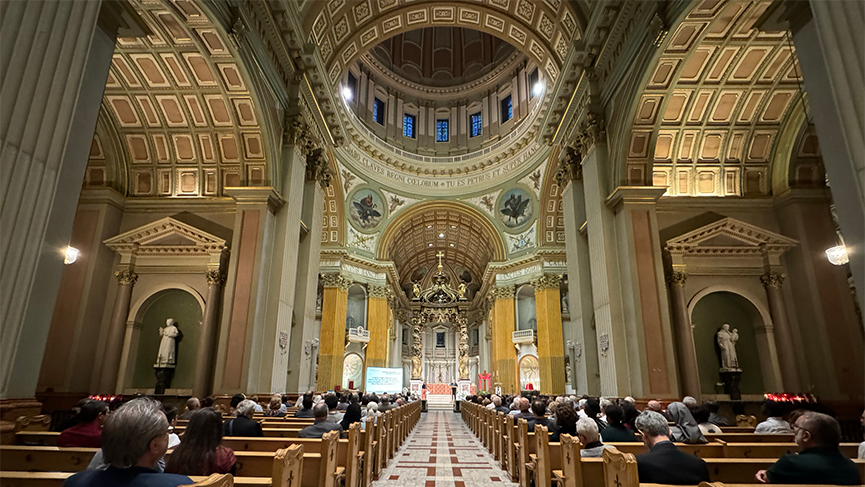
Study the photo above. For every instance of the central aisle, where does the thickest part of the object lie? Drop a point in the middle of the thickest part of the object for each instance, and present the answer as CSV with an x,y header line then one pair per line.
x,y
442,452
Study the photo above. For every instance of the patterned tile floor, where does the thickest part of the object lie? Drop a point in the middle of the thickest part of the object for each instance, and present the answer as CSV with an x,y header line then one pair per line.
x,y
442,452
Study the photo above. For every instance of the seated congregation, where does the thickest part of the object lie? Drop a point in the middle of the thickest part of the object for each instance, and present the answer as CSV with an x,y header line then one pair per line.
x,y
542,440
324,440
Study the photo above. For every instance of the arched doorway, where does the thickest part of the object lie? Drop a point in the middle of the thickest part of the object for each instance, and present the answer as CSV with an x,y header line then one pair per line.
x,y
712,311
530,373
352,371
185,310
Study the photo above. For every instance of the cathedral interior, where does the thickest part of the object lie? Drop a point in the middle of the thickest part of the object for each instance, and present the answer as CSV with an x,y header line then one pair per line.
x,y
569,196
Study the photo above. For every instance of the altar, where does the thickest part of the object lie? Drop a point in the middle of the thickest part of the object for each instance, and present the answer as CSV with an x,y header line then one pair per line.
x,y
438,389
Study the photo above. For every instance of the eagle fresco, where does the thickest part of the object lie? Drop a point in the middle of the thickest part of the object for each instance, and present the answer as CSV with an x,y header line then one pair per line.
x,y
515,209
364,211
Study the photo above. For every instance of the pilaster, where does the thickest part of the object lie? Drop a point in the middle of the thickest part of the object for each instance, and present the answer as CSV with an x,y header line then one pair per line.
x,y
551,354
504,324
332,345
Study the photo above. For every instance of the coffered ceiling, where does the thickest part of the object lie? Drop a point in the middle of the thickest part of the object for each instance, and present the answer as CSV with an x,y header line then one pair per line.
x,y
182,108
714,104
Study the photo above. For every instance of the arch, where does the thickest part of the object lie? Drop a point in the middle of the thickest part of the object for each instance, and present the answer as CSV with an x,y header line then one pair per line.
x,y
542,29
352,370
762,308
488,242
529,372
150,295
356,308
525,308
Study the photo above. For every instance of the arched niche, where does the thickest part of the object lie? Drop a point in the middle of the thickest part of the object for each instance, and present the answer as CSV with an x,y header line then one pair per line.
x,y
352,371
185,307
355,314
525,303
530,373
713,308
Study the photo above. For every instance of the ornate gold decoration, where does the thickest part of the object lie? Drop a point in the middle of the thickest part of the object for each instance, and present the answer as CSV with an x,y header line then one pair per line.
x,y
547,281
336,280
502,292
126,277
677,278
214,276
416,366
379,292
570,166
463,348
772,280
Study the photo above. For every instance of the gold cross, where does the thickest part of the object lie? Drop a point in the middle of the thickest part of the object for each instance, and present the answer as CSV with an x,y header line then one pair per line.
x,y
440,254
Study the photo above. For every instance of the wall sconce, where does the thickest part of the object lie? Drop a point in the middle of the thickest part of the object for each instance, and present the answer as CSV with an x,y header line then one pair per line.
x,y
71,255
837,255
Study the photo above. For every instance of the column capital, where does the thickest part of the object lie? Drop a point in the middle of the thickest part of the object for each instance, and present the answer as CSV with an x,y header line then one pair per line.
x,y
502,292
336,280
677,278
592,131
547,281
570,166
214,277
380,292
317,168
126,277
772,279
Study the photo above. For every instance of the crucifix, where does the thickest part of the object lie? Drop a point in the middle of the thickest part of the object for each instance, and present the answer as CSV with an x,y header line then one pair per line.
x,y
440,254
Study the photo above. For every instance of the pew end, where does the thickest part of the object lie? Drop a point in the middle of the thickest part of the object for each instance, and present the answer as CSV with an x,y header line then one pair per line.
x,y
620,469
215,480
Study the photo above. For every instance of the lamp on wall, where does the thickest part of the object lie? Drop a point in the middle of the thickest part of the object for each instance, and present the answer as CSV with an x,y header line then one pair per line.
x,y
837,255
347,95
538,88
71,255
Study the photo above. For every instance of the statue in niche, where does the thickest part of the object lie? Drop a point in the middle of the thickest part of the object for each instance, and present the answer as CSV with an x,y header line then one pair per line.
x,y
566,303
727,343
167,347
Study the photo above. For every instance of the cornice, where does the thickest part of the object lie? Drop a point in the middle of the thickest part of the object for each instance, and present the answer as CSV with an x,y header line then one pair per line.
x,y
256,195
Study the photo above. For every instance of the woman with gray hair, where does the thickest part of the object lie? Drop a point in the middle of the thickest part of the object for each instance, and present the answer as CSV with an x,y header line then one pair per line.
x,y
587,431
243,424
134,439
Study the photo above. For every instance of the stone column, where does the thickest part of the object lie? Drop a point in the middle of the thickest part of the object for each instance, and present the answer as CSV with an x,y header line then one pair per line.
x,y
114,344
772,282
830,48
55,60
377,314
551,348
505,324
581,332
300,365
202,385
332,346
686,353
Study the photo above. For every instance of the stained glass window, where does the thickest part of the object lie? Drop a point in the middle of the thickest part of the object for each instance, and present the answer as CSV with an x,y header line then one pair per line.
x,y
408,126
475,122
442,133
378,111
507,109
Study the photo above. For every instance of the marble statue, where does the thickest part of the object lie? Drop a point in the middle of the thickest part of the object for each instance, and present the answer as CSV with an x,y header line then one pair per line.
x,y
166,357
727,342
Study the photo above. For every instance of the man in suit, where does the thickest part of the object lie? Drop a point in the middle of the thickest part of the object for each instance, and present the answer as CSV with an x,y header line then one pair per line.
x,y
819,461
497,405
524,413
665,464
539,409
306,407
321,424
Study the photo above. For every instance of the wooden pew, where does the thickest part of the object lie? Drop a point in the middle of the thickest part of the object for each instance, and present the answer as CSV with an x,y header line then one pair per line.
x,y
750,438
215,480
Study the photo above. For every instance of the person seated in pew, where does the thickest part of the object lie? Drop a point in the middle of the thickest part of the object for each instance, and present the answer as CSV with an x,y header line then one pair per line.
x,y
587,432
701,416
333,415
524,410
274,409
630,414
88,432
690,402
353,413
774,423
539,409
861,452
321,425
243,424
566,421
192,405
819,461
685,430
384,404
514,409
715,416
615,430
593,412
666,464
208,402
201,452
171,416
342,402
306,407
235,400
134,439
497,405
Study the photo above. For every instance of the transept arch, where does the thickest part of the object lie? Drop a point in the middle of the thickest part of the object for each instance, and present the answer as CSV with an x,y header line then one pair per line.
x,y
712,104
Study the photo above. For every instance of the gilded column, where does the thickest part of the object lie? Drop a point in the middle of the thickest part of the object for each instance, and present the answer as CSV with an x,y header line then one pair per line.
x,y
551,348
463,348
416,348
505,321
772,282
117,331
687,354
377,315
332,341
202,385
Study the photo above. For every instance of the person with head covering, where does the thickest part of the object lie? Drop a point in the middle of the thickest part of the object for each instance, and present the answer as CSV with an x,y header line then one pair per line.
x,y
686,429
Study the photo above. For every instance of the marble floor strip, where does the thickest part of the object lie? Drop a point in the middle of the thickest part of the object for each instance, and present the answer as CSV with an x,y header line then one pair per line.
x,y
442,452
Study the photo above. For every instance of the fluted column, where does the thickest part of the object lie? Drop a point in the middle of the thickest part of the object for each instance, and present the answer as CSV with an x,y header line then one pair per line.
x,y
551,350
117,331
202,384
54,61
332,342
688,372
505,321
772,282
377,314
